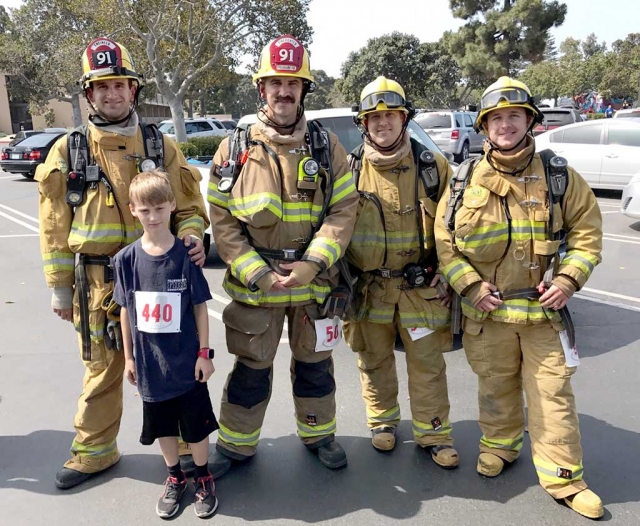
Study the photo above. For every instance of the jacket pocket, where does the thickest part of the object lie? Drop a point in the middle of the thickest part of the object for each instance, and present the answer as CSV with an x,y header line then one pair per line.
x,y
190,180
50,181
482,232
247,331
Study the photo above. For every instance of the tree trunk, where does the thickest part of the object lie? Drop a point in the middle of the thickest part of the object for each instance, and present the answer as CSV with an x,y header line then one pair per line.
x,y
203,104
177,115
190,108
77,113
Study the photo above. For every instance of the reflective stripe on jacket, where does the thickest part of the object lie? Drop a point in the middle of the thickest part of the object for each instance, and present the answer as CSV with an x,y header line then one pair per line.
x,y
94,227
277,215
513,254
394,187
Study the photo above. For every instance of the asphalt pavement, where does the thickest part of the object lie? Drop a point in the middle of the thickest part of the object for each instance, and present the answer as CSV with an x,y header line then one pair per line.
x,y
41,375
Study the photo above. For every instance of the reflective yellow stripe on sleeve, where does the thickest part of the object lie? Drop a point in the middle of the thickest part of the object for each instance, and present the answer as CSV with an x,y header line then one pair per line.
x,y
342,187
323,250
583,261
246,264
58,261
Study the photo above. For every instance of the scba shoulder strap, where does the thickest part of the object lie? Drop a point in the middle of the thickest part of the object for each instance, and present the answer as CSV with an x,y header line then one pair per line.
x,y
423,157
82,171
556,174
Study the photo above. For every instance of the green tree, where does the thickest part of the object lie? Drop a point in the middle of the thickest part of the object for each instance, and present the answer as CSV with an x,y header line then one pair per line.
x,y
41,49
321,97
184,39
501,36
426,71
621,69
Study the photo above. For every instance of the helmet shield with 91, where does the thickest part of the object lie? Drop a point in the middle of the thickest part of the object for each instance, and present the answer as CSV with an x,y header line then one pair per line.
x,y
105,59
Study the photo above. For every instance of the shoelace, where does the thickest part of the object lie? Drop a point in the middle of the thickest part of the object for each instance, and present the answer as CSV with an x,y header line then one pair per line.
x,y
172,488
203,491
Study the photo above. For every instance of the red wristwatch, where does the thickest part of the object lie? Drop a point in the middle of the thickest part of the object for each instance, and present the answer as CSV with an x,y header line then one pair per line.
x,y
206,353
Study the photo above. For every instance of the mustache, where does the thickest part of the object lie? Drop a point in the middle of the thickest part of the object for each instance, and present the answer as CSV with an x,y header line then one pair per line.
x,y
285,99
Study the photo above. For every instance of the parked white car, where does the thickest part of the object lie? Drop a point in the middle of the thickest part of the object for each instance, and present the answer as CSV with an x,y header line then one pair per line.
x,y
627,113
630,203
606,152
195,128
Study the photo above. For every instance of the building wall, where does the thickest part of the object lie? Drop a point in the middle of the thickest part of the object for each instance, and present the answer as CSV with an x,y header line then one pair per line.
x,y
64,115
5,112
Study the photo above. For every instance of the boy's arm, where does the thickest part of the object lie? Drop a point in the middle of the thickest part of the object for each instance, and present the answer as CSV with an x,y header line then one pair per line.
x,y
127,340
202,323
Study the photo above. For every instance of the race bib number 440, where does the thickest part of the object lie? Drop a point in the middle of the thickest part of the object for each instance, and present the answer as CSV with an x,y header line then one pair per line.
x,y
158,311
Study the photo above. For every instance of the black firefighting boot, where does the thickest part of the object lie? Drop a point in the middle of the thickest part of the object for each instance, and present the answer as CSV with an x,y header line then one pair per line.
x,y
330,453
221,460
68,478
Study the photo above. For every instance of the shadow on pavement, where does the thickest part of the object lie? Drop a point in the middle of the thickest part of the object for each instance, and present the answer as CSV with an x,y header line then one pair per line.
x,y
286,481
602,328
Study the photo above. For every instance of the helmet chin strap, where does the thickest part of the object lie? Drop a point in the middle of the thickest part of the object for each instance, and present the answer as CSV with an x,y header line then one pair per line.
x,y
98,120
378,147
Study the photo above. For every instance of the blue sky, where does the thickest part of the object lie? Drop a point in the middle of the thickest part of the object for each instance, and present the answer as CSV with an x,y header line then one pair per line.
x,y
342,26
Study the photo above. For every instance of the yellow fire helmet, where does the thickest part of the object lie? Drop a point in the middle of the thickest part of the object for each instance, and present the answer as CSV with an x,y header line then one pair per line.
x,y
105,59
504,93
284,56
382,94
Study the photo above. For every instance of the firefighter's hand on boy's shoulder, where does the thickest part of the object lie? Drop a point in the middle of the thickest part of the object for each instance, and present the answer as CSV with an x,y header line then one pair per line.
x,y
130,371
204,369
196,251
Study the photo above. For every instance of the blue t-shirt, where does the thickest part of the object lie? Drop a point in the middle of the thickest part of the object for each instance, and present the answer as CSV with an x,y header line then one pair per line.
x,y
165,361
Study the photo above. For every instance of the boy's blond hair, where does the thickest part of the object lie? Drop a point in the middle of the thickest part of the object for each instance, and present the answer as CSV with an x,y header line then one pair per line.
x,y
151,188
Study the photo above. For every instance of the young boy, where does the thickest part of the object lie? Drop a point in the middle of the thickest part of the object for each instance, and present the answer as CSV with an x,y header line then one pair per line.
x,y
164,320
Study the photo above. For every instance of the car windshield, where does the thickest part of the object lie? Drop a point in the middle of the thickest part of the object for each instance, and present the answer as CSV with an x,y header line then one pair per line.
x,y
166,127
557,118
434,120
38,140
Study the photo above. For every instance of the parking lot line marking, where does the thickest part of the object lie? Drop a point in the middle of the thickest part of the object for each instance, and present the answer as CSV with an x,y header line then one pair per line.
x,y
21,214
637,238
607,204
221,299
26,225
218,316
610,212
20,235
621,240
612,294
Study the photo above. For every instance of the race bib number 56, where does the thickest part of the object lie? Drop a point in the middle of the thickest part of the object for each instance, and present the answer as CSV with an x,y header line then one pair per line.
x,y
158,311
328,334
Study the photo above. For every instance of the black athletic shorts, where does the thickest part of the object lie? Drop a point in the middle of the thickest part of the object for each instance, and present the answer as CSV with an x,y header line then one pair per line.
x,y
189,416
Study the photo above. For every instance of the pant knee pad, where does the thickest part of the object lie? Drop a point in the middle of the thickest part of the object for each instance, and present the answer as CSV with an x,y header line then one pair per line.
x,y
248,387
313,380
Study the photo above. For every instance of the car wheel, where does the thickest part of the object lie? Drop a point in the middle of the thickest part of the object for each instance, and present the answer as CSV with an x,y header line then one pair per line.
x,y
464,153
29,175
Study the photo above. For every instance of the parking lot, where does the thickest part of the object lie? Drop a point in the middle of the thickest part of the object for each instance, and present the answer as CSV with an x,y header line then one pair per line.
x,y
41,374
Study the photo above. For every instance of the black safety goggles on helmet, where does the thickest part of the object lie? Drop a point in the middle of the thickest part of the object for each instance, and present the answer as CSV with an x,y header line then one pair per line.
x,y
512,95
390,98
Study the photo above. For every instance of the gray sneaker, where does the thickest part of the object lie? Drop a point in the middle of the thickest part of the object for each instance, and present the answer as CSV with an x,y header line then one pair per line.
x,y
205,501
169,504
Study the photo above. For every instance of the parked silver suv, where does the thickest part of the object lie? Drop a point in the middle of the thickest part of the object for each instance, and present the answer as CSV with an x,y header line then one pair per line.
x,y
452,131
